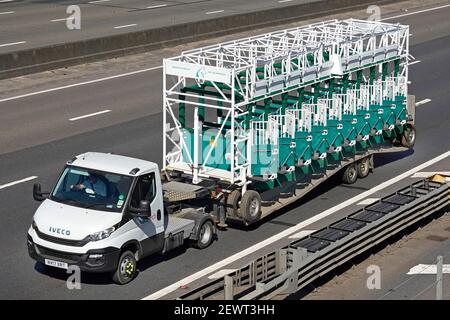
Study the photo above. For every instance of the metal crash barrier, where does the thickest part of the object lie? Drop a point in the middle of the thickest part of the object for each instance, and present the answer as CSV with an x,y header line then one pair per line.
x,y
292,268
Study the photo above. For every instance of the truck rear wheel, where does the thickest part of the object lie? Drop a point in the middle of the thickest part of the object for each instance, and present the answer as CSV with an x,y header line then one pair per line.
x,y
363,167
250,207
408,138
233,200
126,268
350,174
205,235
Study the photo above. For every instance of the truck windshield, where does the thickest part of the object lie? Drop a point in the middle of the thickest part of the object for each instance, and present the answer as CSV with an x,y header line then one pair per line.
x,y
92,189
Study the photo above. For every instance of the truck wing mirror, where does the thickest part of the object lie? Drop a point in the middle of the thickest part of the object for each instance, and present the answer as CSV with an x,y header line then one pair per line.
x,y
143,211
38,195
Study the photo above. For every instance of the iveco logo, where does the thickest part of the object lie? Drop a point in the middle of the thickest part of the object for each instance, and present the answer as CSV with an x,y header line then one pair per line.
x,y
59,231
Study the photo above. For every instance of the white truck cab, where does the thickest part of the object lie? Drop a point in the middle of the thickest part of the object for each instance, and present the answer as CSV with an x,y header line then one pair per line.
x,y
105,213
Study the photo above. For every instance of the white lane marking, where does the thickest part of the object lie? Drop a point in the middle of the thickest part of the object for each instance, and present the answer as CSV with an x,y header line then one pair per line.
x,y
428,269
221,273
213,12
126,26
12,43
425,174
80,84
218,265
414,62
7,12
283,1
416,12
17,182
134,72
98,1
302,234
62,19
421,102
368,201
3,1
89,115
157,6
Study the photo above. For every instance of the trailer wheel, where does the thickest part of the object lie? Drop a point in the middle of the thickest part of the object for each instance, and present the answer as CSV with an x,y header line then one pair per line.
x,y
205,235
409,137
350,174
363,167
126,268
233,203
250,207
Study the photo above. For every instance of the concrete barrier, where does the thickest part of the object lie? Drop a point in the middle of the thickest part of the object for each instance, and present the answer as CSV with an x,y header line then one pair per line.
x,y
63,55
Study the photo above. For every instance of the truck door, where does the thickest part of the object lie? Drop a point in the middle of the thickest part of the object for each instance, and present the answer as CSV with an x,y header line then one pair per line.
x,y
152,228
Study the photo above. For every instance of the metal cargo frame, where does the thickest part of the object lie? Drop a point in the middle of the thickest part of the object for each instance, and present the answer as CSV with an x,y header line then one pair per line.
x,y
243,72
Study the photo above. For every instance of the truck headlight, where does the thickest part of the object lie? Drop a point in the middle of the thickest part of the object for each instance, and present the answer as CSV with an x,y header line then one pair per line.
x,y
102,234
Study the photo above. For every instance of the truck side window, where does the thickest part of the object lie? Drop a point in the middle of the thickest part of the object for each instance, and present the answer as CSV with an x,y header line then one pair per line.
x,y
145,189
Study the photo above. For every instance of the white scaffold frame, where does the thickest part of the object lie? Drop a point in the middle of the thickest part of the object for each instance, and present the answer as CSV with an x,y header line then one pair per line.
x,y
243,72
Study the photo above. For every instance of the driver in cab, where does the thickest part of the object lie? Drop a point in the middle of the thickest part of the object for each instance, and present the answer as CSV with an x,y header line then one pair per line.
x,y
92,185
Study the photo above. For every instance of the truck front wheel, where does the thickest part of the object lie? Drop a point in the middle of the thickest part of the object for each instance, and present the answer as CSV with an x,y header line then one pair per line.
x,y
126,268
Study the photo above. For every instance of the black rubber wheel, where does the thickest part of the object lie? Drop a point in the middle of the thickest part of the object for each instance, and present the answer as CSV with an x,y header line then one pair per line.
x,y
408,138
363,167
233,200
205,235
126,268
250,207
350,174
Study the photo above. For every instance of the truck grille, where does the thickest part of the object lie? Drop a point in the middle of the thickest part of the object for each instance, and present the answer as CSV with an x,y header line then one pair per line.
x,y
66,242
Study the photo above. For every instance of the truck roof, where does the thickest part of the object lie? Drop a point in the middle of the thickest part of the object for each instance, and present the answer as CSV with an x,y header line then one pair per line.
x,y
112,163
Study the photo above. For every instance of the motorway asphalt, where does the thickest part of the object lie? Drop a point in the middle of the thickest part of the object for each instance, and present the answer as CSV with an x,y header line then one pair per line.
x,y
31,24
38,139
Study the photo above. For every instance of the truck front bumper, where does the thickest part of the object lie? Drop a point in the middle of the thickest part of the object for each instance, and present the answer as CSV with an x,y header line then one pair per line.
x,y
98,260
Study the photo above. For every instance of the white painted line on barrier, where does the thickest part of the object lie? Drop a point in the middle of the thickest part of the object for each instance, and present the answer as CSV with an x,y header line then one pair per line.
x,y
10,184
126,26
302,234
79,84
368,201
218,265
283,1
421,102
214,12
12,43
428,269
221,273
89,115
157,6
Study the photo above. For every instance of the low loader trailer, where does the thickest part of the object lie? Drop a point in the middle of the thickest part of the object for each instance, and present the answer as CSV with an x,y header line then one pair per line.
x,y
249,126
